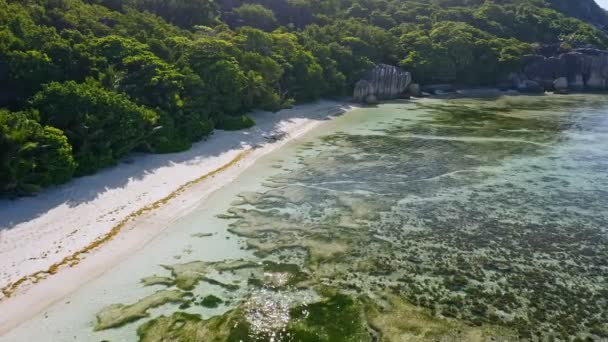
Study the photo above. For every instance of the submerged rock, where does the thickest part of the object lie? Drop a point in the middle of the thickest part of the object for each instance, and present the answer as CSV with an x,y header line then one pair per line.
x,y
187,276
383,82
157,280
116,315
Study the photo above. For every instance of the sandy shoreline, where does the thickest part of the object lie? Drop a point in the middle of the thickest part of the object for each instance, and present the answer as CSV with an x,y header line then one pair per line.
x,y
95,222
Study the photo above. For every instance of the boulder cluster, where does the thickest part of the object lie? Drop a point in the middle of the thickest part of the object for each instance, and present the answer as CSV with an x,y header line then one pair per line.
x,y
581,69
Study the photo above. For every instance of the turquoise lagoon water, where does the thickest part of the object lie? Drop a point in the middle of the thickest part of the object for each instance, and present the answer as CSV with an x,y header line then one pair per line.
x,y
425,220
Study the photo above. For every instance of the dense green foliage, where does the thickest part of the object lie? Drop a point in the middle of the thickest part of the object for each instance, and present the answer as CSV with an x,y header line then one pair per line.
x,y
32,156
256,15
101,125
113,76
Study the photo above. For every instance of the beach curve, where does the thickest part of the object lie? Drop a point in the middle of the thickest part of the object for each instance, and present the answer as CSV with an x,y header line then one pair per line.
x,y
125,218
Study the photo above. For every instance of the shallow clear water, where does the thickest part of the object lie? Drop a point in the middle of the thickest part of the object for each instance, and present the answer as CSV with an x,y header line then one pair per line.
x,y
436,219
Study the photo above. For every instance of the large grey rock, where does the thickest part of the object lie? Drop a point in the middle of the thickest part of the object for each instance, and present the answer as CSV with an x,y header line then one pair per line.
x,y
371,99
522,83
414,90
561,85
541,70
383,82
582,69
572,66
363,89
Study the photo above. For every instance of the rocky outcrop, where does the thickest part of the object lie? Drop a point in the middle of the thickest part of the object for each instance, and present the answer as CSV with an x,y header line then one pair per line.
x,y
582,69
383,82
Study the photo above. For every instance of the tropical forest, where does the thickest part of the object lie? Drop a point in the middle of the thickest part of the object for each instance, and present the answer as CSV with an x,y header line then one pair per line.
x,y
86,82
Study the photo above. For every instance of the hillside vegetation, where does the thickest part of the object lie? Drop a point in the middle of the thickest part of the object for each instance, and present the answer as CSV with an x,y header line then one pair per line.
x,y
83,83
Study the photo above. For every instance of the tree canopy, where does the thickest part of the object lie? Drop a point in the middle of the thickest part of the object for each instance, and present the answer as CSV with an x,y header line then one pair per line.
x,y
85,82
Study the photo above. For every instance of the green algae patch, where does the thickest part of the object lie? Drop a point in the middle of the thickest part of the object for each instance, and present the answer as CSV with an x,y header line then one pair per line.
x,y
229,287
337,319
278,275
188,275
211,301
178,327
183,327
318,249
116,315
397,320
233,265
324,250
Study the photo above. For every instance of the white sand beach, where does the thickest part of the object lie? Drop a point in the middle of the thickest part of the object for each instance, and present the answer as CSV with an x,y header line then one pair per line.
x,y
54,242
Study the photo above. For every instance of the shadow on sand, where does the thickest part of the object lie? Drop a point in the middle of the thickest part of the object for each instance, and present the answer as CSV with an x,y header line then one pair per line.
x,y
137,166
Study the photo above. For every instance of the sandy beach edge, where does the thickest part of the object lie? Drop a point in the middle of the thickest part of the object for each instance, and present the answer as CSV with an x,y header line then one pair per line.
x,y
142,220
